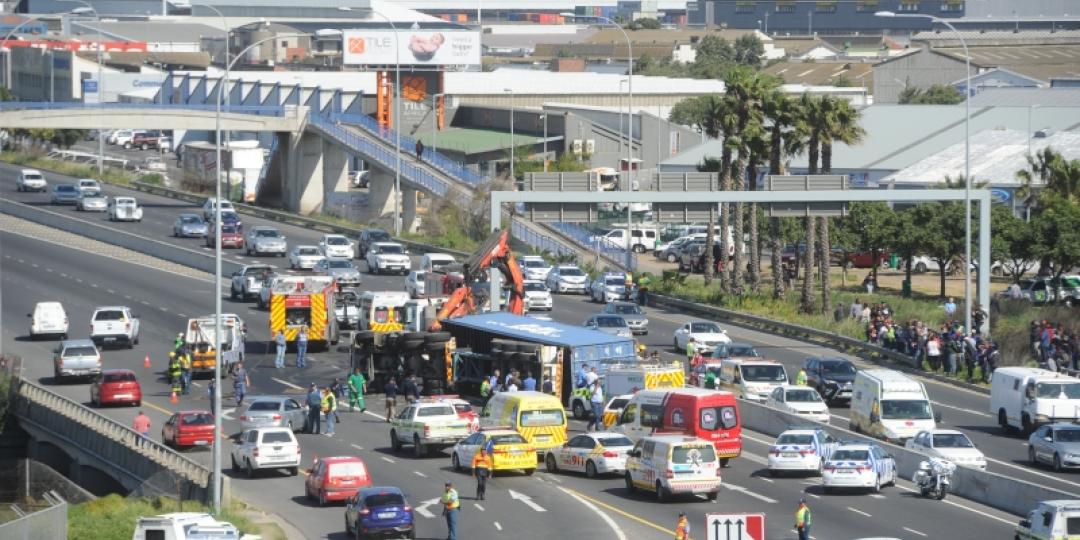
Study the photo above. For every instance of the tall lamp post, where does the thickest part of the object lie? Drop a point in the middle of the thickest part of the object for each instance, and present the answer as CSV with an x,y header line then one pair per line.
x,y
100,81
217,276
397,121
630,109
544,118
967,156
510,91
223,87
435,122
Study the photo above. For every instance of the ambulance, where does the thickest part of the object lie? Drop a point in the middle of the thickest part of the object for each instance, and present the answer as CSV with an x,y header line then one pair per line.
x,y
537,416
708,414
629,378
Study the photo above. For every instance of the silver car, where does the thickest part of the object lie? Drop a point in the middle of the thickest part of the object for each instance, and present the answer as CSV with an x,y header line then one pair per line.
x,y
607,288
342,270
1057,445
265,241
64,194
76,358
189,226
274,411
91,200
635,317
609,324
305,257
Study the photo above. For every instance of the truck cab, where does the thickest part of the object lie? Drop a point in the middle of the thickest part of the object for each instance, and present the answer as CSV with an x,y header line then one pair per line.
x,y
1051,520
1025,398
200,338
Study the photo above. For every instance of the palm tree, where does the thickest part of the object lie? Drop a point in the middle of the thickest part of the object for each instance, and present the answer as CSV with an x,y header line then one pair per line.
x,y
1060,177
726,122
806,299
811,124
781,113
759,149
841,124
745,89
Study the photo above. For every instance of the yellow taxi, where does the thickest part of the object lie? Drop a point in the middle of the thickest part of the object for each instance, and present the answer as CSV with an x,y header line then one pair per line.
x,y
509,450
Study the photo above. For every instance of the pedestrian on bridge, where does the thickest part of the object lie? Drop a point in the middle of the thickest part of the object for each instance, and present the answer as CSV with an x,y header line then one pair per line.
x,y
419,150
141,425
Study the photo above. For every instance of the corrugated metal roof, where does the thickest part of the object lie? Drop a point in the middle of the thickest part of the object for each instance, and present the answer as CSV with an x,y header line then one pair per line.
x,y
151,31
1038,61
821,73
537,330
996,155
1027,97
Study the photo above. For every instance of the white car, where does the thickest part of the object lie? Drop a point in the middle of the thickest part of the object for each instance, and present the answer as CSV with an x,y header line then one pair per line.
x,y
950,445
706,334
48,319
383,257
858,465
415,283
124,209
801,401
609,324
114,324
305,257
537,296
801,450
567,278
428,424
336,245
609,287
31,180
90,184
534,267
591,453
208,208
266,448
123,137
264,240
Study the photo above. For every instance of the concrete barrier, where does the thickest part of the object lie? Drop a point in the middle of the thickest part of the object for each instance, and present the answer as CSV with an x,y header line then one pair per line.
x,y
998,491
200,260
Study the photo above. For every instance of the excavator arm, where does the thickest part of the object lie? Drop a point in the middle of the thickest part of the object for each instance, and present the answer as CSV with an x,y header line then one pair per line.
x,y
495,252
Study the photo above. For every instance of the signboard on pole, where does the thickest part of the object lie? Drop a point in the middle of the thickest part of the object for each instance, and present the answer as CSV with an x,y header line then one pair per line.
x,y
735,526
414,47
90,91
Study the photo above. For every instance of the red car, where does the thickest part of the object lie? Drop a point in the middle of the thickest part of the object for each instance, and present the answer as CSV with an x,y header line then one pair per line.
x,y
336,479
464,410
188,428
864,259
232,236
116,386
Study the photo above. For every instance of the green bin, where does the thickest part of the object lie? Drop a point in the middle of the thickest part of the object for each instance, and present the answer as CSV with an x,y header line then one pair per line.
x,y
894,261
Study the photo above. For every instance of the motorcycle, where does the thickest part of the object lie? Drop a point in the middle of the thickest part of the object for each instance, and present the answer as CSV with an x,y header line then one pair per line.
x,y
933,478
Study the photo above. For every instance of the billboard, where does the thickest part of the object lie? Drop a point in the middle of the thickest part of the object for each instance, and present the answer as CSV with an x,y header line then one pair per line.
x,y
415,47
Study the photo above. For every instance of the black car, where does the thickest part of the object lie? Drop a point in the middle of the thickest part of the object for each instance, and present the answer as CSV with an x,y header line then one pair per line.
x,y
370,236
831,376
692,257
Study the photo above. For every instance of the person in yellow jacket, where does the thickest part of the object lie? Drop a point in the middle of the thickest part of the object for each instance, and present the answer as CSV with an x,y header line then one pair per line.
x,y
329,408
451,505
800,379
682,527
803,519
185,371
482,466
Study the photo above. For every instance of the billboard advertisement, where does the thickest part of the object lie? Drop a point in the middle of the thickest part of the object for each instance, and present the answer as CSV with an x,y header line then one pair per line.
x,y
416,47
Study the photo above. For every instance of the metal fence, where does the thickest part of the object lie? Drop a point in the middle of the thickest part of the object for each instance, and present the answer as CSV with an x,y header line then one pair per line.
x,y
262,110
538,241
48,523
586,239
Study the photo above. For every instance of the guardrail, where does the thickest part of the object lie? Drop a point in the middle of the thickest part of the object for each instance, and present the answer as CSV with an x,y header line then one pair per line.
x,y
989,488
583,238
262,110
92,433
538,241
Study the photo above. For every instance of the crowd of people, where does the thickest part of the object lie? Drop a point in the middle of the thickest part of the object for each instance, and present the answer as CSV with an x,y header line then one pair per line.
x,y
947,348
1054,347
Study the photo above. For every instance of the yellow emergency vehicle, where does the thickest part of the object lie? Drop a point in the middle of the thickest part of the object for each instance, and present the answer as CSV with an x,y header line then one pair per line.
x,y
509,450
537,416
628,379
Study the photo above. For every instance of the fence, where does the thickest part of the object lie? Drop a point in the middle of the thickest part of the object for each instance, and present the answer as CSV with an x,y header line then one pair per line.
x,y
262,110
584,238
538,241
46,524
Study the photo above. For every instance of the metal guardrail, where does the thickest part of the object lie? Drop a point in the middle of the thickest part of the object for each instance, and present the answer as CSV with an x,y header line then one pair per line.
x,y
92,432
583,238
262,110
538,241
432,157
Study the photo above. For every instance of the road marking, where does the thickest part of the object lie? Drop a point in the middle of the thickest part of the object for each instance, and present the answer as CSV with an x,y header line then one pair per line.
x,y
762,478
497,526
34,265
420,474
745,491
357,446
527,500
913,531
556,479
49,270
478,507
78,280
422,508
962,409
181,315
386,459
607,519
811,495
157,408
227,413
110,291
286,383
857,511
877,496
162,308
95,285
968,508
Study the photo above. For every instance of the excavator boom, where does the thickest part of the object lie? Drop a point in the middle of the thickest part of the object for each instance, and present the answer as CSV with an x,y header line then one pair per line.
x,y
495,252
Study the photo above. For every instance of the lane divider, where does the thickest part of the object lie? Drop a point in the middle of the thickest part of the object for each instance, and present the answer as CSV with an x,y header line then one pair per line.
x,y
588,503
586,499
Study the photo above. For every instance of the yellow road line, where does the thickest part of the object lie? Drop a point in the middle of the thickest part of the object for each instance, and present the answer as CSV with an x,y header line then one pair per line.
x,y
606,506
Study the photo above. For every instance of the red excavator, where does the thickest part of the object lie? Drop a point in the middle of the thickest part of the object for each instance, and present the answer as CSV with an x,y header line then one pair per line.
x,y
495,252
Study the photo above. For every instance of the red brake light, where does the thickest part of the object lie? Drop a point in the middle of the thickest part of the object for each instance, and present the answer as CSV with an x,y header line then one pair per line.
x,y
718,470
364,511
407,509
427,430
255,452
243,418
611,453
806,451
862,469
669,474
774,450
277,417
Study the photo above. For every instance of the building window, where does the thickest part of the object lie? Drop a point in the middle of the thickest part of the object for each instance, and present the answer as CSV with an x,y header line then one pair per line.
x,y
825,7
785,6
285,44
952,6
866,6
746,6
909,5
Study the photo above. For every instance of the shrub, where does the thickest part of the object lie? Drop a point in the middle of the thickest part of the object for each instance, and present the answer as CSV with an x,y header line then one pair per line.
x,y
113,517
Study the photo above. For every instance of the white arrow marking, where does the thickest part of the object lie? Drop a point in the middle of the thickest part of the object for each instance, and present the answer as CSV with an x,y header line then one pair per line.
x,y
227,413
527,500
286,383
422,508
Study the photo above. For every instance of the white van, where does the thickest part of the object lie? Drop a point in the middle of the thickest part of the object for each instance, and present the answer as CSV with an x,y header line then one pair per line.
x,y
1025,398
433,261
890,405
48,319
753,380
643,238
383,311
674,465
184,526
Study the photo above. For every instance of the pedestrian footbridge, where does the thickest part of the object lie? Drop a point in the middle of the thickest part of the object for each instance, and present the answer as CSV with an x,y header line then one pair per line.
x,y
185,117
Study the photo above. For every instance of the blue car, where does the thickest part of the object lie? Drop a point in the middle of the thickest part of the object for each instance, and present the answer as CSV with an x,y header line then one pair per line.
x,y
379,512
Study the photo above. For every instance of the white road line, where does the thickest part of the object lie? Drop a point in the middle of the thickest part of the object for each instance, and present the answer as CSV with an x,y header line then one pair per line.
x,y
497,526
286,383
386,459
762,478
478,507
110,291
607,519
49,270
1032,471
162,308
379,416
63,275
877,496
357,446
420,474
968,508
95,285
181,315
913,531
857,511
554,478
745,491
807,493
962,409
78,280
34,265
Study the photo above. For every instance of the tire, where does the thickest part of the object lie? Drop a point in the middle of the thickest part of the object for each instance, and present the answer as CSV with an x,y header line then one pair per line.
x,y
590,469
579,410
1003,420
713,495
877,485
322,498
418,449
662,494
920,267
395,444
232,292
1057,462
671,258
529,472
248,469
432,337
412,344
455,462
675,344
293,471
235,465
630,487
549,461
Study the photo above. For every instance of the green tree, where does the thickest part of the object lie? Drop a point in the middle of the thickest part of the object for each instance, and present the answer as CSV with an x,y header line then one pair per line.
x,y
728,122
841,124
1059,177
1012,241
938,94
873,227
1057,235
781,114
645,24
714,56
6,94
749,50
939,244
908,239
705,112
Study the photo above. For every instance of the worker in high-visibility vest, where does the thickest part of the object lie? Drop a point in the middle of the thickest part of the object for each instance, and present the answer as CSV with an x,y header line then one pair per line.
x,y
690,348
682,527
800,379
482,465
451,505
175,372
803,519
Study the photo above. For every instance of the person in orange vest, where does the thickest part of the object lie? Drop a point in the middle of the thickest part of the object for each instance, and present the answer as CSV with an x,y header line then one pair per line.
x,y
682,527
482,466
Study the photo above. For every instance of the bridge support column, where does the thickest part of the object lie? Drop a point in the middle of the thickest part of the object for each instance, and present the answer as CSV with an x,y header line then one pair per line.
x,y
303,184
335,168
408,209
381,195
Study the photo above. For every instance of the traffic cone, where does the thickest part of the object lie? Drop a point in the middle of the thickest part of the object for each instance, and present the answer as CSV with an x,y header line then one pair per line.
x,y
172,398
146,362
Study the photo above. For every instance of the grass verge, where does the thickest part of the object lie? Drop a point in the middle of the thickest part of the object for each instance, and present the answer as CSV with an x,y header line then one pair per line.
x,y
113,517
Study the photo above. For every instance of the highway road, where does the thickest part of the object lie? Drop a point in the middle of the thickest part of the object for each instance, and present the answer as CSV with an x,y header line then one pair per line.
x,y
172,298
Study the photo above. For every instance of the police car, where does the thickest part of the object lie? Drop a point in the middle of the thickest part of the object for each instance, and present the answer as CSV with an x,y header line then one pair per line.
x,y
592,453
428,424
858,465
509,451
801,450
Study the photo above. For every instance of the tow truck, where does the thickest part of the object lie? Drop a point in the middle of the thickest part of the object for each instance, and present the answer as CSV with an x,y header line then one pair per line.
x,y
415,343
200,339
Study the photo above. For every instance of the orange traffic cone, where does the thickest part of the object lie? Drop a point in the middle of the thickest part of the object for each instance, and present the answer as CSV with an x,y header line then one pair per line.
x,y
146,362
172,398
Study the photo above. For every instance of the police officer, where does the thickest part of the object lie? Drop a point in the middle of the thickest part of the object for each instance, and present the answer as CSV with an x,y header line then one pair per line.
x,y
803,519
682,527
451,506
482,466
314,403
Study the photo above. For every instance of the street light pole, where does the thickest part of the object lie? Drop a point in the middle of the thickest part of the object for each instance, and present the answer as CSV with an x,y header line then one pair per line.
x,y
100,82
396,123
223,86
967,158
511,92
544,116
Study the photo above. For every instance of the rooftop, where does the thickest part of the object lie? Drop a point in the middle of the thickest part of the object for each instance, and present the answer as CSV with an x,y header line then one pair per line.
x,y
538,330
475,141
611,35
148,31
1027,97
823,73
946,38
996,155
1039,61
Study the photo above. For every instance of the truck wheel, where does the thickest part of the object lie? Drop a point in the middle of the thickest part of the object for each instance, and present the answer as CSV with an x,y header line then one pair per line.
x,y
412,344
455,462
630,487
1025,421
363,337
435,346
1003,419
